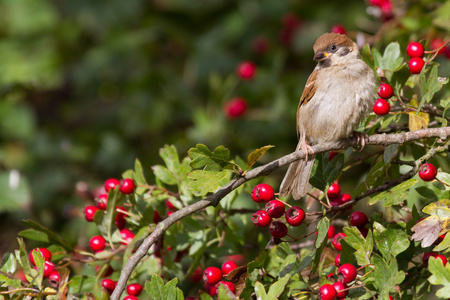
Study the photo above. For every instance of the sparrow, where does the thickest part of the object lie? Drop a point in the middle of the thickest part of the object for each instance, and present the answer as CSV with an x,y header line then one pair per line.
x,y
338,95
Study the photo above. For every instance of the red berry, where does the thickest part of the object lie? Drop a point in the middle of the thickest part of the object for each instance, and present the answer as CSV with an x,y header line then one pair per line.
x,y
278,229
390,297
340,287
120,218
337,260
345,198
131,298
436,44
348,273
49,267
262,193
111,183
295,216
46,254
332,155
275,208
89,212
334,191
261,218
170,205
212,275
127,186
109,285
331,231
228,266
337,28
197,274
337,241
385,91
427,172
415,49
426,257
443,258
97,243
211,289
327,292
227,284
134,289
416,64
127,236
235,108
54,277
156,217
364,231
377,2
359,219
246,70
381,107
102,201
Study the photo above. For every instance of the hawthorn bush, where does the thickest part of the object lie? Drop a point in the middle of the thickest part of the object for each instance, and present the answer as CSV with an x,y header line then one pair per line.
x,y
373,226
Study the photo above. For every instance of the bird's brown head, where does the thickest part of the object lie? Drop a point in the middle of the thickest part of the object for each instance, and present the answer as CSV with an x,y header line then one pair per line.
x,y
330,45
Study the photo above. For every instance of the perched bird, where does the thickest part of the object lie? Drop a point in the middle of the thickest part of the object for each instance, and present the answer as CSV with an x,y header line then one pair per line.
x,y
339,94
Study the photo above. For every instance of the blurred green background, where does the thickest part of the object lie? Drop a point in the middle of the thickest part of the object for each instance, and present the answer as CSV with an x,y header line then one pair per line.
x,y
88,86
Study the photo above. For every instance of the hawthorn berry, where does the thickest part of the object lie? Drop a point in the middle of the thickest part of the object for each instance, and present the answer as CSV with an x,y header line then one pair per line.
x,y
102,201
134,289
211,289
275,208
416,65
228,266
337,28
345,198
331,231
390,297
385,91
131,297
348,272
109,285
227,284
46,254
278,229
97,243
427,256
334,191
156,217
49,267
427,172
54,277
262,193
111,183
235,108
364,231
442,258
197,274
327,292
438,43
381,107
127,186
291,23
127,236
170,205
359,219
337,241
212,275
415,49
246,70
89,212
120,218
337,260
295,216
261,218
340,287
332,155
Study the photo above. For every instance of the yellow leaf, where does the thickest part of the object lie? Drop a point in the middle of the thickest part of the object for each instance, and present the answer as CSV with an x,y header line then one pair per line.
x,y
417,120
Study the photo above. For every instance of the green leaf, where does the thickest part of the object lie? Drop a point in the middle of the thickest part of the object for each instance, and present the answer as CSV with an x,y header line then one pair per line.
x,y
394,196
139,177
444,245
51,235
390,241
386,275
35,235
204,182
441,276
278,287
9,263
389,153
105,220
442,16
363,246
256,155
320,243
431,86
202,157
156,289
170,156
163,174
440,209
10,282
391,60
22,257
374,178
82,284
367,56
260,291
324,173
225,293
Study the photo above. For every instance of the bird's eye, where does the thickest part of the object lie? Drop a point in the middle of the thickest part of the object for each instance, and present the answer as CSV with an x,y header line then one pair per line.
x,y
333,47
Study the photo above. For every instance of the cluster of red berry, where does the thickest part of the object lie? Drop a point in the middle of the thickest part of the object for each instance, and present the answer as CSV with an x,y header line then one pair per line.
x,y
381,106
415,51
212,276
294,216
384,7
49,267
133,290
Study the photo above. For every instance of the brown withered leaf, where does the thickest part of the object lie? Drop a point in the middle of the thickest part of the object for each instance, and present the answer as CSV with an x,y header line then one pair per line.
x,y
427,230
238,277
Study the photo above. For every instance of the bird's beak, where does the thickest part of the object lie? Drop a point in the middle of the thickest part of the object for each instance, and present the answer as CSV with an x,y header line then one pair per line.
x,y
320,56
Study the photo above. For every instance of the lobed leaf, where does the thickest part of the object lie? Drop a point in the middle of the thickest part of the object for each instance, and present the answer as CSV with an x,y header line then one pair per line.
x,y
440,276
363,246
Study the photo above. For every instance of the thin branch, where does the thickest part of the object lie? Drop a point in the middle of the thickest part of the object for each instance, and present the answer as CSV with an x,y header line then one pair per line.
x,y
212,200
